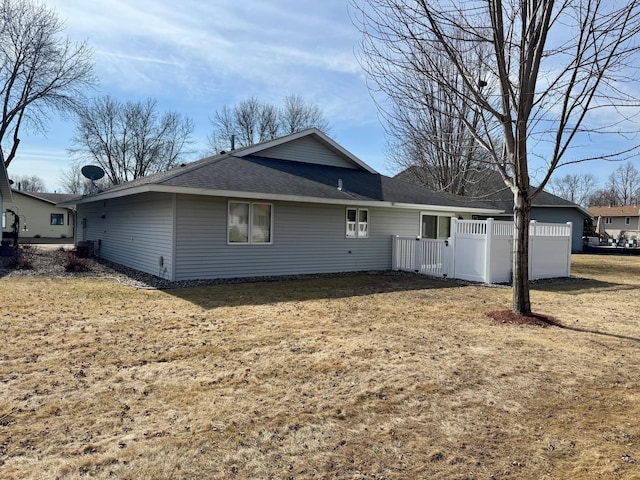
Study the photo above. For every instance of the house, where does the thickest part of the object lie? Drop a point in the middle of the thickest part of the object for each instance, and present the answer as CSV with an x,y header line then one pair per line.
x,y
40,219
619,221
491,190
299,204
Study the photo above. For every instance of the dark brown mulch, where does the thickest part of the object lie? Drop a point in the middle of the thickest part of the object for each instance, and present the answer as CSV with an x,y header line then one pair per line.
x,y
508,316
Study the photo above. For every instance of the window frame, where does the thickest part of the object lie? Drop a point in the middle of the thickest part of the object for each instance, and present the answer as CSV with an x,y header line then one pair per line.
x,y
58,216
627,220
608,220
357,231
250,220
442,225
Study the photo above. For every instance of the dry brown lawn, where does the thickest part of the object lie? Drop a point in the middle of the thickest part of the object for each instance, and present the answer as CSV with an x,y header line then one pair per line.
x,y
358,377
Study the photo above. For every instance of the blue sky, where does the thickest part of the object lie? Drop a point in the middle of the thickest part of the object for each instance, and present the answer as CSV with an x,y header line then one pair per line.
x,y
196,56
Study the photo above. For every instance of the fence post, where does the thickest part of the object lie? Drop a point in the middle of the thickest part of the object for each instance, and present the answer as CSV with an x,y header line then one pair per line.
x,y
450,250
532,247
417,266
570,245
487,250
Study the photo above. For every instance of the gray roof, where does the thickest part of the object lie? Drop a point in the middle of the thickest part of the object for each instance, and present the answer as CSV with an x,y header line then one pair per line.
x,y
492,191
271,176
247,172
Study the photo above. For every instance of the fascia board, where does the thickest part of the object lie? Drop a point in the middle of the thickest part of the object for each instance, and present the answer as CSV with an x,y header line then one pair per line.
x,y
449,208
276,197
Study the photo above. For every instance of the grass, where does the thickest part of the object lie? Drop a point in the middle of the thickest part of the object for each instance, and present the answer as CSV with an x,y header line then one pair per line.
x,y
359,377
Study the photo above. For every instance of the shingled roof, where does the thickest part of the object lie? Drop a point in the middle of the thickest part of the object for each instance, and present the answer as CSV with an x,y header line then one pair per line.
x,y
621,211
247,173
492,191
52,198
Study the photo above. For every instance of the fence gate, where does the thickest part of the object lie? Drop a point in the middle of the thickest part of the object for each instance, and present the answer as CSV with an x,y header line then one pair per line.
x,y
482,251
421,255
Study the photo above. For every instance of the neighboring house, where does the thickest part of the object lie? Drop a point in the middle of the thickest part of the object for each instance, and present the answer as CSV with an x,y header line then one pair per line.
x,y
40,218
619,221
299,204
546,207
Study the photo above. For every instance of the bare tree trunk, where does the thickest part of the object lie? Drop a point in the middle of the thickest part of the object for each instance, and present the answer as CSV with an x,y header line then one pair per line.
x,y
521,217
545,90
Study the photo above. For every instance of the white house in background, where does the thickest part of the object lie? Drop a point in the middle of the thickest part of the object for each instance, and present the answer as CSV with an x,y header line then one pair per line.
x,y
619,221
299,204
40,219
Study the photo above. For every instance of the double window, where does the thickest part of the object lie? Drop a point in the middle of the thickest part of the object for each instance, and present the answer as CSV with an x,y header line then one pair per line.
x,y
434,226
608,220
357,223
249,223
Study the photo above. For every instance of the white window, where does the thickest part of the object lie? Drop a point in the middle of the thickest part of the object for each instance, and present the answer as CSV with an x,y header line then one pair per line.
x,y
435,226
357,223
249,223
608,220
627,220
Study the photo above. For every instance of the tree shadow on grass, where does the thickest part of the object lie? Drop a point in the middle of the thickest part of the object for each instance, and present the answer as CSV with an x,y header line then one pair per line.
x,y
574,286
306,287
598,332
545,321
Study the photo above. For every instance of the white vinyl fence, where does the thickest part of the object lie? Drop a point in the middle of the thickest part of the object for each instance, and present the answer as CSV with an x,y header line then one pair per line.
x,y
482,251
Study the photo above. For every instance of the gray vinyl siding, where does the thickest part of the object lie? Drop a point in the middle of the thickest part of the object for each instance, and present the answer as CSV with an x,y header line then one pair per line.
x,y
562,215
308,150
135,231
307,238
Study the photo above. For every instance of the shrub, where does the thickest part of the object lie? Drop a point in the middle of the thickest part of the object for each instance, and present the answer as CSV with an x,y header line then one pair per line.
x,y
74,263
22,259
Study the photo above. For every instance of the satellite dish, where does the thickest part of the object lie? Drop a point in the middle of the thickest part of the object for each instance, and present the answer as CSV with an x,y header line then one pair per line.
x,y
92,172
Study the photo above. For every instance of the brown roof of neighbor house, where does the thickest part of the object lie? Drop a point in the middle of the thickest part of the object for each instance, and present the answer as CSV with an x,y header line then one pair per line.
x,y
625,211
47,197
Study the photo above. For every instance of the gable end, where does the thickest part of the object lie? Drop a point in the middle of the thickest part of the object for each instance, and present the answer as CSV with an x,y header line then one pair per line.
x,y
309,150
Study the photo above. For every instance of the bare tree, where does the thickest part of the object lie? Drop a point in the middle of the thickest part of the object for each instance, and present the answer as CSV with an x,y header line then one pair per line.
x,y
40,70
130,140
247,119
603,197
576,188
73,181
252,121
29,183
624,182
297,115
552,65
426,132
